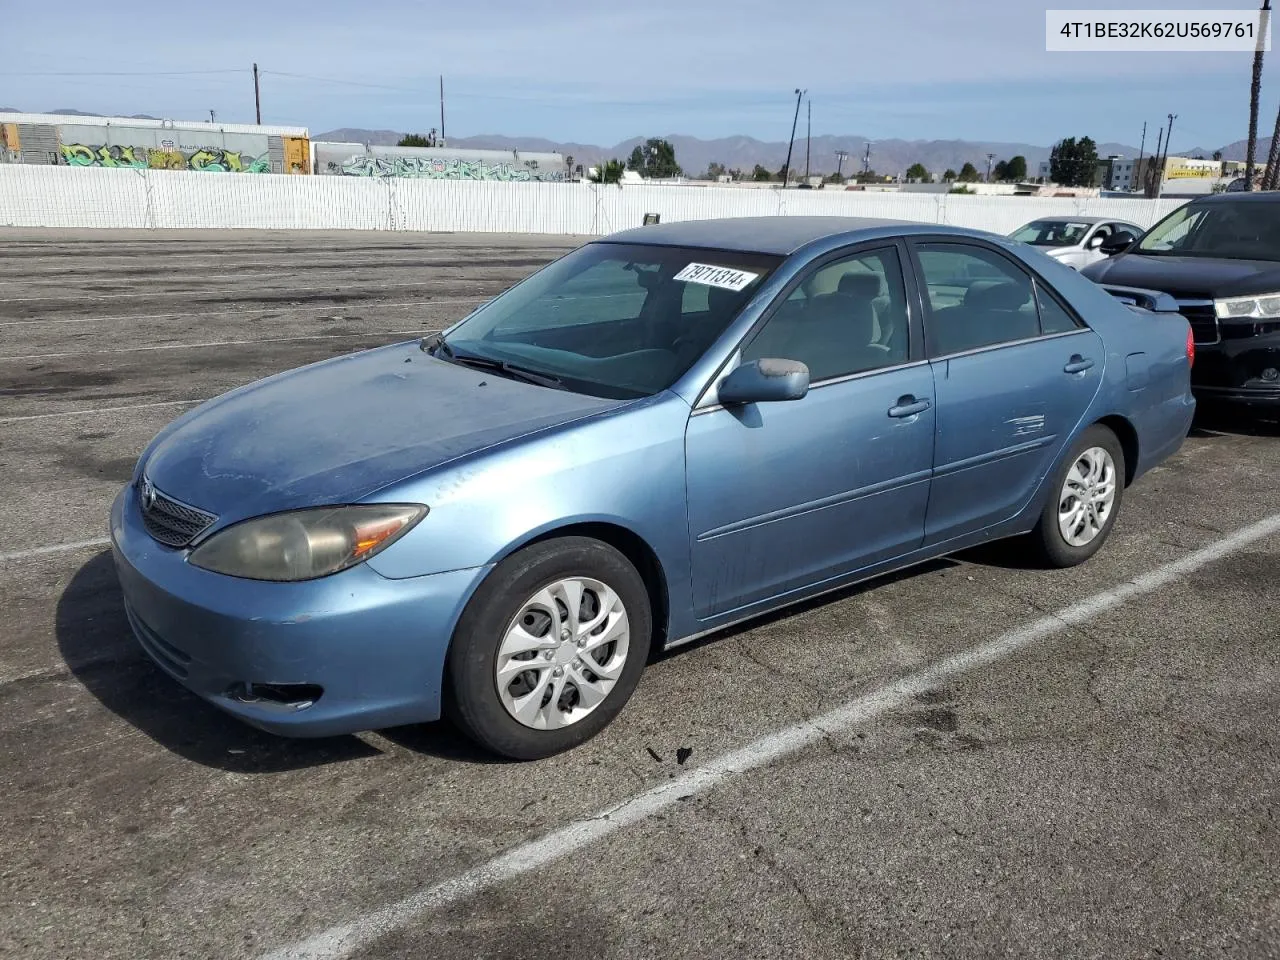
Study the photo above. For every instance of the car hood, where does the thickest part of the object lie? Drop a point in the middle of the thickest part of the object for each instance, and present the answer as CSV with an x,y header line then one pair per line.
x,y
1188,276
337,431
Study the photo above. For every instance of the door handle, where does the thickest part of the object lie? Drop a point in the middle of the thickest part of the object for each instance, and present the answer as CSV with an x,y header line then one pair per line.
x,y
908,406
1077,364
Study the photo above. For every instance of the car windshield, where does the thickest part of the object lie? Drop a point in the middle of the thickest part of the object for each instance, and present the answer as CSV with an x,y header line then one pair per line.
x,y
612,320
1230,231
1051,233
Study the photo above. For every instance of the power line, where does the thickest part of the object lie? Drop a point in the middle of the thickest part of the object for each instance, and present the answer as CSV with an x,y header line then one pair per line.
x,y
118,73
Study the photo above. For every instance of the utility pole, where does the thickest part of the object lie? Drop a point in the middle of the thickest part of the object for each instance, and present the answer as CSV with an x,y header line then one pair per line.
x,y
786,167
1149,181
1137,171
442,140
213,117
841,156
1164,162
808,136
990,157
257,96
866,159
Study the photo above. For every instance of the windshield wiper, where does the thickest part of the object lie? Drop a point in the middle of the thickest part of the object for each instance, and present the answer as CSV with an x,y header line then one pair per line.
x,y
512,370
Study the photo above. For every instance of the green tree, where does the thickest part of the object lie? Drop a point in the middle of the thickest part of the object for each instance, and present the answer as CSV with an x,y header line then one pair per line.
x,y
760,174
608,172
1073,163
737,174
636,162
949,175
1001,171
417,140
659,159
714,171
917,172
968,174
835,178
870,176
1217,154
1017,169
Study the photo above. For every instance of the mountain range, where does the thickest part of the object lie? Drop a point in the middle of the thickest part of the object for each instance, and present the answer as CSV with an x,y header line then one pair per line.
x,y
743,153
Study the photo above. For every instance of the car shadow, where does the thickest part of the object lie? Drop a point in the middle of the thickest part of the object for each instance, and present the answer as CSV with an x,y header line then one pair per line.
x,y
807,606
1216,421
97,645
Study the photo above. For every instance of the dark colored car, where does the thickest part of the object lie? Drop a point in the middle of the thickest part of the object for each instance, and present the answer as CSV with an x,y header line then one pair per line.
x,y
1219,257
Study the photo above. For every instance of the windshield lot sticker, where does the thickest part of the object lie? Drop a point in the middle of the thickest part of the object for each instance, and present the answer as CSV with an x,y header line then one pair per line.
x,y
712,276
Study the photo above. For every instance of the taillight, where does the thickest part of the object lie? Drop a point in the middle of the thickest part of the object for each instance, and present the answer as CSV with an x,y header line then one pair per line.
x,y
1191,348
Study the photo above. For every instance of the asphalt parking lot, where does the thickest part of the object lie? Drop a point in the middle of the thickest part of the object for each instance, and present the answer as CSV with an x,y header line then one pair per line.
x,y
1080,763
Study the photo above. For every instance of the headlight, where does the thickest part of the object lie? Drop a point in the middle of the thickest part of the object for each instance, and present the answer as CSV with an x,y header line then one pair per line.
x,y
1262,307
305,544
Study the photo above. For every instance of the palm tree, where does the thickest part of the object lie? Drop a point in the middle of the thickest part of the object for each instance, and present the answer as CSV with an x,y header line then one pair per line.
x,y
1271,175
1255,93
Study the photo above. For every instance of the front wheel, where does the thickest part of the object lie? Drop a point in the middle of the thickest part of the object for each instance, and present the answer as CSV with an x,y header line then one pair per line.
x,y
549,649
1087,489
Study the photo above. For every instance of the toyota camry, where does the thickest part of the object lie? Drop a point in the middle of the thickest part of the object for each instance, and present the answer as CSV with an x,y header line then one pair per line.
x,y
667,431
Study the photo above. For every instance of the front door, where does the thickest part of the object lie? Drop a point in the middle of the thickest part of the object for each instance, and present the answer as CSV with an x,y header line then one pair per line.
x,y
1014,371
786,495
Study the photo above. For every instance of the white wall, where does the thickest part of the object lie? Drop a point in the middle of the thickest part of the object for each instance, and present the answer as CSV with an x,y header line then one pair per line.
x,y
45,196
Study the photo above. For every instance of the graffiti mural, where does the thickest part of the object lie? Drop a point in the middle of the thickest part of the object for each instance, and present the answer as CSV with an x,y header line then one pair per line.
x,y
79,155
431,168
207,159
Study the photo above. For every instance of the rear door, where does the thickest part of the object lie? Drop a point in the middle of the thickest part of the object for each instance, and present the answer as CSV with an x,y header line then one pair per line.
x,y
1014,372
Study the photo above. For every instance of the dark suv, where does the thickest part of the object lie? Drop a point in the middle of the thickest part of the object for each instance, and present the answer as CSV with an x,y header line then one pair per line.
x,y
1219,257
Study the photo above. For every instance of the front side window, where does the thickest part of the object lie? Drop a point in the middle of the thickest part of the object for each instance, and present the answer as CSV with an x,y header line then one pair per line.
x,y
977,298
846,317
611,320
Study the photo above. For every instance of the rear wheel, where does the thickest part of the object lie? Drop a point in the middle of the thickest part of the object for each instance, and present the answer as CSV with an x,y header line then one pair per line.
x,y
1087,489
550,648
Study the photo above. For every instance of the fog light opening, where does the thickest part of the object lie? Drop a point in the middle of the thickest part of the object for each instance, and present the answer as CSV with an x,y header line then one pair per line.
x,y
1271,374
293,696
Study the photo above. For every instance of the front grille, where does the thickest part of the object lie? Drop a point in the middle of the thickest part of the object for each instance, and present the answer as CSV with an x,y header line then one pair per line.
x,y
173,523
1203,320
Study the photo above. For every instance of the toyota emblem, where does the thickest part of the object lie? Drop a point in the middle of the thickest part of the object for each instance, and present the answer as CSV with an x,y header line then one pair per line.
x,y
148,494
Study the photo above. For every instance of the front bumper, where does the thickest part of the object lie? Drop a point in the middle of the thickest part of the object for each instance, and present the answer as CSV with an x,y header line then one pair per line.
x,y
373,647
1238,369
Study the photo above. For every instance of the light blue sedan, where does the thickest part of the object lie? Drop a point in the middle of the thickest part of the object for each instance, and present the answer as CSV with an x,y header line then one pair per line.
x,y
665,432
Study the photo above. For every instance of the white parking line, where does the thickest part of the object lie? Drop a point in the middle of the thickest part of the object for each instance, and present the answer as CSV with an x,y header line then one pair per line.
x,y
420,331
85,413
245,314
340,941
55,548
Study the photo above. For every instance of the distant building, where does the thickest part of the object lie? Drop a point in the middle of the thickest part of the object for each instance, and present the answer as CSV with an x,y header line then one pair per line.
x,y
437,163
1116,173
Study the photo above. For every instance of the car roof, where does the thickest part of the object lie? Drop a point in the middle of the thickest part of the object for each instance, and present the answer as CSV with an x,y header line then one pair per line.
x,y
1063,218
771,235
1257,196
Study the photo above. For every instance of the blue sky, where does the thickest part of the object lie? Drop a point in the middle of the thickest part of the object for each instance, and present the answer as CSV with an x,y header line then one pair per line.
x,y
598,73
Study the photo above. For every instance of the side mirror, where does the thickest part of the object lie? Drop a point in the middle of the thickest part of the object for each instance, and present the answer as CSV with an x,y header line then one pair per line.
x,y
764,380
1095,241
1118,242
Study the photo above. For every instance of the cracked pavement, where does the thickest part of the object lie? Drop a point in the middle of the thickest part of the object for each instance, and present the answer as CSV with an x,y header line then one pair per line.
x,y
1109,792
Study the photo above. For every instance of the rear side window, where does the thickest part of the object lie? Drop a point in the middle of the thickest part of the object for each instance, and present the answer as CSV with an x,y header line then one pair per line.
x,y
978,298
1054,317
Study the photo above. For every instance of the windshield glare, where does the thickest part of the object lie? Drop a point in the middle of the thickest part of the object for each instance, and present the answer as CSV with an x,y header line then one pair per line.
x,y
1052,233
615,320
1232,231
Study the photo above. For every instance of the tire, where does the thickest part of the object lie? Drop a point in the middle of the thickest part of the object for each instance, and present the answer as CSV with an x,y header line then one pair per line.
x,y
531,586
1049,543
